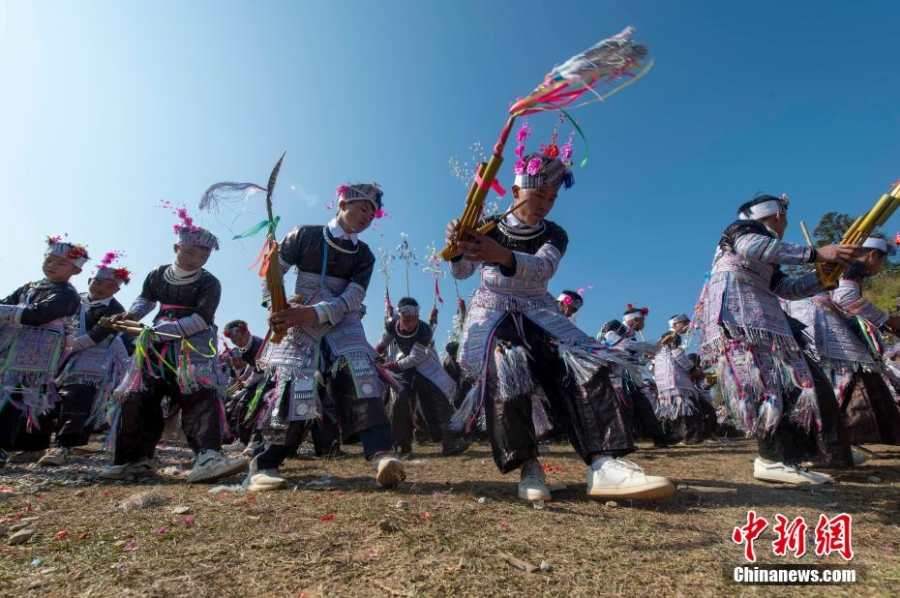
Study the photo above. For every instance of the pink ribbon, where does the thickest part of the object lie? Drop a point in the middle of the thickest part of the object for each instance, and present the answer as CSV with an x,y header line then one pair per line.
x,y
494,185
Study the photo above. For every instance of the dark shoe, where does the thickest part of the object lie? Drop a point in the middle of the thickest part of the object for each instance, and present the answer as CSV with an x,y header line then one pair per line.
x,y
334,453
664,441
455,447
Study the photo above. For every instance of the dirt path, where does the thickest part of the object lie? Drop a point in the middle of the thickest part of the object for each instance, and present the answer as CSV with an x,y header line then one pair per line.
x,y
334,533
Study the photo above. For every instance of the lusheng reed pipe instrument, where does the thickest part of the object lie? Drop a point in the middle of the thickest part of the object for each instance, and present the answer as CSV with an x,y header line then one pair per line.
x,y
858,232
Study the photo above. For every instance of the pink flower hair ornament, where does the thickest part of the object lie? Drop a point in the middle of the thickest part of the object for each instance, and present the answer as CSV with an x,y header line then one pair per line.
x,y
370,192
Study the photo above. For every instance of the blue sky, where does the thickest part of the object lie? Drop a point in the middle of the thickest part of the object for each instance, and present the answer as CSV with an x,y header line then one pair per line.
x,y
109,107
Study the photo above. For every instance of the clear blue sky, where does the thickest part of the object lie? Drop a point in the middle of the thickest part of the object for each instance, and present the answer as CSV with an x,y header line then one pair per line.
x,y
108,107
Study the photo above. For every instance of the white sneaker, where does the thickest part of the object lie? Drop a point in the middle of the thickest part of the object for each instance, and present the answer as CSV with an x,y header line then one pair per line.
x,y
621,478
264,480
858,458
787,474
54,456
141,467
389,469
251,448
533,482
212,465
235,447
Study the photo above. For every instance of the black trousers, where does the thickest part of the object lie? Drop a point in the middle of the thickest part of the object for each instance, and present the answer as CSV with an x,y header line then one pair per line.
x,y
685,428
830,442
72,414
592,415
869,411
243,424
15,435
792,442
141,423
646,424
433,407
708,420
345,414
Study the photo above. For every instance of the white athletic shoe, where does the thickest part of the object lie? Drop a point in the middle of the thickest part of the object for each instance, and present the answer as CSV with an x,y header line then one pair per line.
x,y
388,469
141,467
621,478
788,474
264,480
251,448
533,482
54,456
235,447
212,465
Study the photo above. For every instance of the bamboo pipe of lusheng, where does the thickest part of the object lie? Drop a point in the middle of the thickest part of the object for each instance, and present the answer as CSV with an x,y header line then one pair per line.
x,y
131,327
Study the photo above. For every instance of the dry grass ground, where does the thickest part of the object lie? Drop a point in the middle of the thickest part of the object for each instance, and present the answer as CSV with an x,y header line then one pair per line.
x,y
335,534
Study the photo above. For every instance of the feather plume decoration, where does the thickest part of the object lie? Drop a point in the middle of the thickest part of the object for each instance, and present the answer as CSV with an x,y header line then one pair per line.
x,y
602,70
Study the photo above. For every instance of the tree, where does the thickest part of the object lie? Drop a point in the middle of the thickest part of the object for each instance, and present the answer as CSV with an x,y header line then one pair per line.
x,y
881,289
831,228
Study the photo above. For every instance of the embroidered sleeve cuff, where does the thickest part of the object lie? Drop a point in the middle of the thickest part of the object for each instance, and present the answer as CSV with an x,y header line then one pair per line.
x,y
11,314
321,313
813,254
809,285
169,329
461,268
418,354
142,306
192,324
880,317
539,267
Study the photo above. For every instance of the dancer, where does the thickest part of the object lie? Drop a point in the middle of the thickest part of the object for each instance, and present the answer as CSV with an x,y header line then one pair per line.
x,y
516,342
747,336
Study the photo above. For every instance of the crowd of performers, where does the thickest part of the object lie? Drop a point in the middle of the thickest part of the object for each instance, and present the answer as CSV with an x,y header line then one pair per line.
x,y
800,368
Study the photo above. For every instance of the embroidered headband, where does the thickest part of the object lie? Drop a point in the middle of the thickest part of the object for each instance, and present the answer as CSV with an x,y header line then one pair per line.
x,y
71,252
370,192
634,313
188,232
547,168
680,318
106,271
571,298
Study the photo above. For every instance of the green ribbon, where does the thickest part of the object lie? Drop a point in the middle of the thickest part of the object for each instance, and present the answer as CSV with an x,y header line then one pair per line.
x,y
581,134
273,224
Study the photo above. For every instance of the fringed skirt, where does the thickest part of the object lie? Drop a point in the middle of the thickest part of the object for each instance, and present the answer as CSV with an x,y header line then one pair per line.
x,y
531,381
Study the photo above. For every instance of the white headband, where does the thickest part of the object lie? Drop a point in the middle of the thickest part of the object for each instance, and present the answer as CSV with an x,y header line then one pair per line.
x,y
677,319
879,244
612,337
408,310
763,210
631,317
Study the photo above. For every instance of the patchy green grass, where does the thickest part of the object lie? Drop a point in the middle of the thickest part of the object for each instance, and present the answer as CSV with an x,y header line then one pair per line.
x,y
333,533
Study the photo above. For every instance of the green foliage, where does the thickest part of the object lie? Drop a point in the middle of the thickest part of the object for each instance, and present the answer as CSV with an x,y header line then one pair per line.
x,y
881,289
831,228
